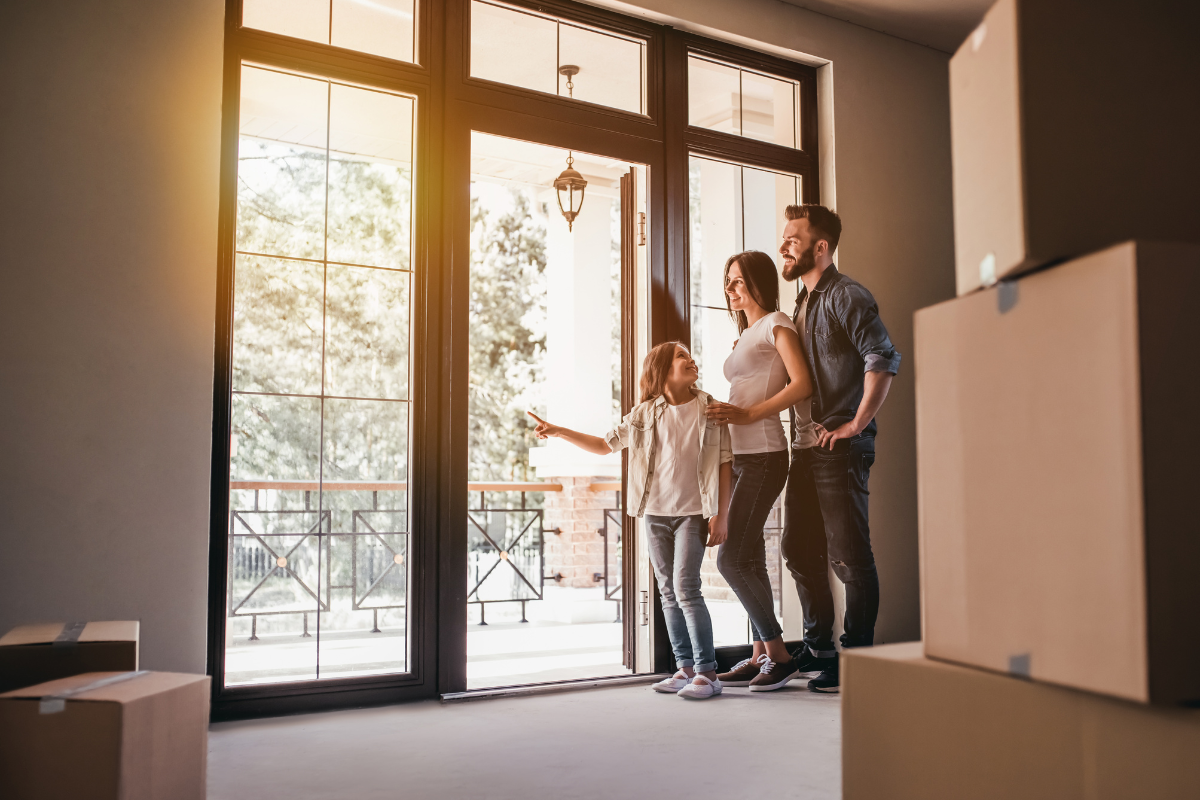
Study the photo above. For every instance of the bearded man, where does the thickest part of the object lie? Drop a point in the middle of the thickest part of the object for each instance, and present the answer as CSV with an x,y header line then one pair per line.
x,y
852,362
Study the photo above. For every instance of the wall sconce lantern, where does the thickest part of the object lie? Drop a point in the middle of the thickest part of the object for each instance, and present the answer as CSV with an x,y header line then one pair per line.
x,y
570,186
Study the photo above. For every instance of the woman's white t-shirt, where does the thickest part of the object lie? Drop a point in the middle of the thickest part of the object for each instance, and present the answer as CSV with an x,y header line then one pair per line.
x,y
675,485
755,371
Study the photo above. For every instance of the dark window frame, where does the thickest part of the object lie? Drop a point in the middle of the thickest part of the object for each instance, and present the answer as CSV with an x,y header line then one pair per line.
x,y
450,104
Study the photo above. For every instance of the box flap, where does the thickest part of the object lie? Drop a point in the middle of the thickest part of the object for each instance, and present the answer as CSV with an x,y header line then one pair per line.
x,y
48,632
145,685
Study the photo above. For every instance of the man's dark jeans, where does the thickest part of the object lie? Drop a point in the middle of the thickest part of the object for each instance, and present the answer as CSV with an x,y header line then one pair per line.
x,y
826,524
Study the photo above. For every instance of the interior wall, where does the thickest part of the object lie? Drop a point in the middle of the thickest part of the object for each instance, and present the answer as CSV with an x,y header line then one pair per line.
x,y
108,218
108,215
885,103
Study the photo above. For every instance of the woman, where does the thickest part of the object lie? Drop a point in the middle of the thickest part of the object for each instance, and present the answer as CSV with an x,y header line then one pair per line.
x,y
766,373
679,477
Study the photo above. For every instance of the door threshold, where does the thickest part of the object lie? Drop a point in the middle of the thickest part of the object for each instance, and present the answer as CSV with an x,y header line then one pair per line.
x,y
551,687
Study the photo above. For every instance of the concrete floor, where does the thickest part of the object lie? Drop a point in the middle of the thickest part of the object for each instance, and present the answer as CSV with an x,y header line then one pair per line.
x,y
623,742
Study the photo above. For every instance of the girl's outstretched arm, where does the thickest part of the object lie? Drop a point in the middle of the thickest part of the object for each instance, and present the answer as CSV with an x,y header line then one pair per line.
x,y
592,444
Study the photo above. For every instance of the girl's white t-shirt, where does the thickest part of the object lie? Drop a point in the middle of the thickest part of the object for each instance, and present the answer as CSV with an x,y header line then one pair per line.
x,y
755,371
675,485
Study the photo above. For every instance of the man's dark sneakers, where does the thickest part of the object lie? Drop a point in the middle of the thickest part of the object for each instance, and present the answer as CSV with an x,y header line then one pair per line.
x,y
773,675
828,681
808,663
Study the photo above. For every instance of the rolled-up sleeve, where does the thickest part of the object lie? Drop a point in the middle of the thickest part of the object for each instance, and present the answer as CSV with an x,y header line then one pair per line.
x,y
618,437
726,446
859,316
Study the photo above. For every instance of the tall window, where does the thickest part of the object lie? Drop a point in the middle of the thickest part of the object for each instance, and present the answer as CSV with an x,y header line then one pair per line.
x,y
320,423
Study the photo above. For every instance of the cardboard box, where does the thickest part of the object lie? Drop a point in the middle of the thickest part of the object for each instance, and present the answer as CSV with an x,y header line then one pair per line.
x,y
135,736
1057,475
31,654
1073,127
914,728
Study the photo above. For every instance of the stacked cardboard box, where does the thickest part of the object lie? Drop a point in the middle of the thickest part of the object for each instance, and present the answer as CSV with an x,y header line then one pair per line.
x,y
1059,546
32,654
120,735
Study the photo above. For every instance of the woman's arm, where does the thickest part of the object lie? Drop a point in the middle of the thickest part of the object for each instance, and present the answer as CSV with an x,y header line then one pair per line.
x,y
592,444
799,387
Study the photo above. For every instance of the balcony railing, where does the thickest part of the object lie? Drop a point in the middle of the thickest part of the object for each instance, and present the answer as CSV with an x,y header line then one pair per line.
x,y
506,549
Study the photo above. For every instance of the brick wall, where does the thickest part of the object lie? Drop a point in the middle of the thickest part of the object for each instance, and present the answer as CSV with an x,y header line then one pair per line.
x,y
578,551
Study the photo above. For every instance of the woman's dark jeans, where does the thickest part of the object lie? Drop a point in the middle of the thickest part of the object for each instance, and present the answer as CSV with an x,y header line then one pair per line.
x,y
758,478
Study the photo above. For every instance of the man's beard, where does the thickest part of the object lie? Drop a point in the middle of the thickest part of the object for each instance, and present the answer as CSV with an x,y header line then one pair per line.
x,y
801,266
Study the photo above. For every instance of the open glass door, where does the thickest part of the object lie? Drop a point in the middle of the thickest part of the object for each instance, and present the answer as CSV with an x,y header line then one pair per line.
x,y
553,305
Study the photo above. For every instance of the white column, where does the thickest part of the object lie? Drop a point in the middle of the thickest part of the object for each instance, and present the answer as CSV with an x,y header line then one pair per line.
x,y
579,336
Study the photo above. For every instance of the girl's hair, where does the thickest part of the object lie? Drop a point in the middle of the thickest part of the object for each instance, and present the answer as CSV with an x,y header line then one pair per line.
x,y
762,280
656,367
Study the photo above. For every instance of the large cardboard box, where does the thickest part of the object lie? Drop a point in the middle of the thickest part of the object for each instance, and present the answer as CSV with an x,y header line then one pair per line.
x,y
32,654
106,736
1057,462
914,728
1073,126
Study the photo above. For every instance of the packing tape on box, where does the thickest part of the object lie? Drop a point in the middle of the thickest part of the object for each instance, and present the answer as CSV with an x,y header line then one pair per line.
x,y
54,703
70,633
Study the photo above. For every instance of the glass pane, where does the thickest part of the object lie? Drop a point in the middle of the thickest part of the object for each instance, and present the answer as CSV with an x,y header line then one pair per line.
x,y
545,327
304,19
366,440
769,109
281,164
370,177
714,96
380,27
732,100
275,438
732,208
610,68
364,628
496,31
311,544
277,326
366,346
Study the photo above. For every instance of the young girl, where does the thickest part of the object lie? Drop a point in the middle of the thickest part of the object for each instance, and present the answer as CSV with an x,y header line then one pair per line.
x,y
679,477
767,373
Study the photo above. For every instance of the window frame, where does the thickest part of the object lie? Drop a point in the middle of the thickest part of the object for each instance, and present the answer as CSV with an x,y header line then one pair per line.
x,y
450,104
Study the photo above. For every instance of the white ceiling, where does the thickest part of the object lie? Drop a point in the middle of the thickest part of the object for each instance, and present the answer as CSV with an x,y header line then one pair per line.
x,y
940,24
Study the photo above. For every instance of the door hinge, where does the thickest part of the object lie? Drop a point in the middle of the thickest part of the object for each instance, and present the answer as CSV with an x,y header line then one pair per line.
x,y
641,227
645,606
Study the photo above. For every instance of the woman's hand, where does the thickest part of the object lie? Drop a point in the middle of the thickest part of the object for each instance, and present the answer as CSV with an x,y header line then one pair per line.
x,y
545,430
729,414
718,530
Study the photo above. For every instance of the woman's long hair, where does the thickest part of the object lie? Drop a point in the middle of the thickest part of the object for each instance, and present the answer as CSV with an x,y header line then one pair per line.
x,y
655,369
762,279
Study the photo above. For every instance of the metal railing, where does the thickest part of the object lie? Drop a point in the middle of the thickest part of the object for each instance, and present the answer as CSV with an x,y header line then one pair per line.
x,y
514,536
274,543
309,560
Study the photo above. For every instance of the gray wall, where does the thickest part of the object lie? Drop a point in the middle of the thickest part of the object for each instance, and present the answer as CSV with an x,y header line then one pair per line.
x,y
108,229
885,150
108,212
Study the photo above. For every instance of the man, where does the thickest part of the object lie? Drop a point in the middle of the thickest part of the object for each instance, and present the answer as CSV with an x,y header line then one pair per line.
x,y
852,362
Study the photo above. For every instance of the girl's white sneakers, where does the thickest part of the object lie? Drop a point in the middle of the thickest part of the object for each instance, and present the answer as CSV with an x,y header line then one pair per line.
x,y
673,684
701,688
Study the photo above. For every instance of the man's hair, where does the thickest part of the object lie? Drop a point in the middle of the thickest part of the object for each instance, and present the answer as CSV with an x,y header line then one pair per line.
x,y
825,224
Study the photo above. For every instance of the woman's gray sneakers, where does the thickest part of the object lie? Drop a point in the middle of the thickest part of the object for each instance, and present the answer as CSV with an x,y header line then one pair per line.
x,y
773,675
743,672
